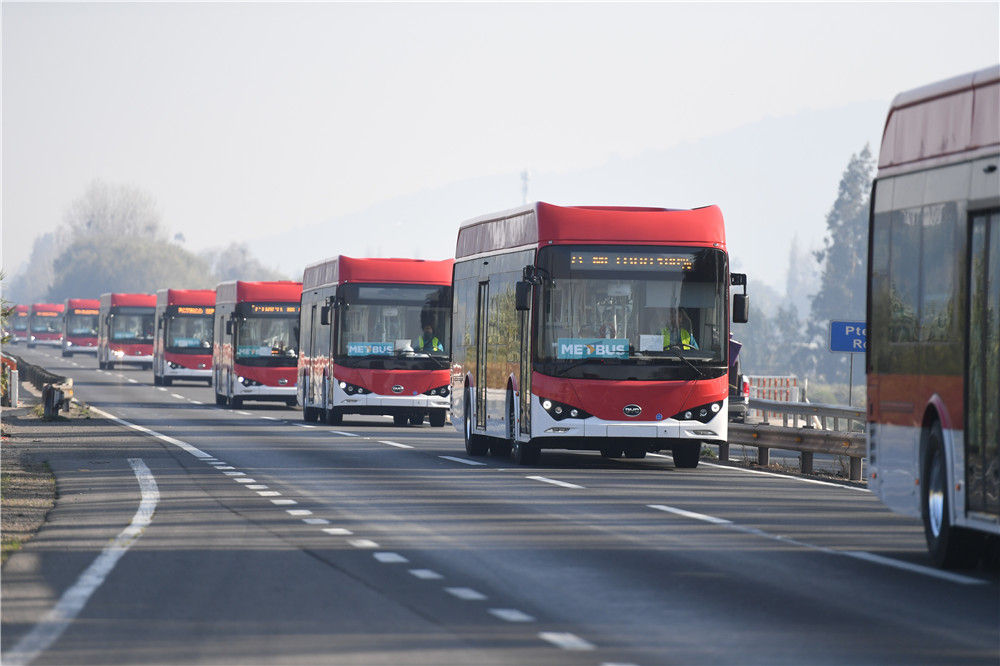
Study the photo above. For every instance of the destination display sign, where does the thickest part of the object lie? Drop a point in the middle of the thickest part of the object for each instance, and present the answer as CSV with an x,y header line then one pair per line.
x,y
618,261
46,313
85,311
272,308
196,310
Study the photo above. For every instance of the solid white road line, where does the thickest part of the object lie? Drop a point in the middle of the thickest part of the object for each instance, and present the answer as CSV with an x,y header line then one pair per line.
x,y
396,444
464,461
783,476
337,531
554,482
465,593
55,622
511,615
390,558
859,555
566,641
426,574
184,446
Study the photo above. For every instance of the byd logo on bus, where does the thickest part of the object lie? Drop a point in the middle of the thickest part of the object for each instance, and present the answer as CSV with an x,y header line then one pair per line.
x,y
848,336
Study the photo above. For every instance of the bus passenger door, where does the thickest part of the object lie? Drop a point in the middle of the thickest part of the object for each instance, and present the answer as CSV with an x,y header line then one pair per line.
x,y
524,379
313,352
482,308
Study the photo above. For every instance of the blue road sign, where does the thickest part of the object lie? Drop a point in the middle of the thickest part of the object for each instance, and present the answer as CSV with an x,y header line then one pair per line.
x,y
848,336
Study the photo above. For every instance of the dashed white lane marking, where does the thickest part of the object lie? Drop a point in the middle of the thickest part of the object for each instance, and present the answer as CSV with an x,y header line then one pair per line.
x,y
195,402
859,555
566,641
464,461
269,418
337,531
235,473
268,493
362,543
72,601
132,381
345,434
511,615
305,425
396,444
244,413
299,512
283,502
465,593
258,486
160,388
390,558
223,467
554,482
315,521
426,574
178,396
245,479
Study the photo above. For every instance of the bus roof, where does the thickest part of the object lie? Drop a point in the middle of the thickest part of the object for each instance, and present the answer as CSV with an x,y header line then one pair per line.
x,y
166,297
128,300
342,269
47,307
541,223
83,303
238,291
22,309
949,121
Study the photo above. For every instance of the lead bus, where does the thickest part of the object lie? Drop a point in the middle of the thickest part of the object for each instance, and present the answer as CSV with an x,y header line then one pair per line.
x,y
19,323
592,328
125,330
80,326
256,341
375,337
182,345
933,359
45,324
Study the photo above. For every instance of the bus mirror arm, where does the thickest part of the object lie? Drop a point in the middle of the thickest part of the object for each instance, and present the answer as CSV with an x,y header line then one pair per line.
x,y
741,302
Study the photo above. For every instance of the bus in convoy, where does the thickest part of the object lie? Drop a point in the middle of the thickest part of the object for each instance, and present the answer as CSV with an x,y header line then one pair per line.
x,y
80,326
375,338
19,324
933,358
593,328
125,330
45,324
256,341
182,344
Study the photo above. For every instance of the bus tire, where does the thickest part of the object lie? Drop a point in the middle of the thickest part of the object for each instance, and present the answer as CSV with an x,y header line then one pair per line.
x,y
686,454
437,418
475,445
524,453
292,402
235,402
220,400
166,381
416,419
612,451
949,547
334,416
635,451
156,379
67,354
400,419
308,414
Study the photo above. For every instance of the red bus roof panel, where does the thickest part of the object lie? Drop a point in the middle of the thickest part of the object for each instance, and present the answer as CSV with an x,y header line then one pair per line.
x,y
82,303
128,300
166,297
47,307
343,269
238,291
541,223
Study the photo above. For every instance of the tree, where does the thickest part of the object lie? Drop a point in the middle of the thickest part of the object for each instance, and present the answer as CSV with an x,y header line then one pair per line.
x,y
843,261
236,263
32,284
114,210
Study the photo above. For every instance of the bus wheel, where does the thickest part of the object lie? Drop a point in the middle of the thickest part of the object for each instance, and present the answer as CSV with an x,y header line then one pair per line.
x,y
334,416
220,399
156,380
166,381
235,402
475,445
636,451
524,453
308,414
416,419
686,454
400,419
437,417
612,451
292,402
67,354
949,547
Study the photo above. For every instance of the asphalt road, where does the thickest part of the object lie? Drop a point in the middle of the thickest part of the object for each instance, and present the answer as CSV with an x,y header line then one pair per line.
x,y
274,541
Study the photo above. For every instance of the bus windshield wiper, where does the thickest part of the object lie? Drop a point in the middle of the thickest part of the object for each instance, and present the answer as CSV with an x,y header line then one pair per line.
x,y
677,352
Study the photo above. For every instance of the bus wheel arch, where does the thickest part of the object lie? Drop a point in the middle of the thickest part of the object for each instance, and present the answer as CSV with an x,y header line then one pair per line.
x,y
950,547
475,444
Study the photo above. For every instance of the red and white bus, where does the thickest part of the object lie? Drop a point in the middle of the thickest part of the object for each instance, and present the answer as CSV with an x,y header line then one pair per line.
x,y
592,328
80,326
933,359
182,345
375,337
45,324
19,323
125,330
256,341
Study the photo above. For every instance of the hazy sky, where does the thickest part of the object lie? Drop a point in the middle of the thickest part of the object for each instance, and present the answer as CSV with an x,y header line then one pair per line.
x,y
245,119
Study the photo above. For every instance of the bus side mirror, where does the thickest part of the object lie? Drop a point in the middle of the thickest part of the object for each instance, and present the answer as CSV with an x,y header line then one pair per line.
x,y
741,308
324,315
522,296
229,327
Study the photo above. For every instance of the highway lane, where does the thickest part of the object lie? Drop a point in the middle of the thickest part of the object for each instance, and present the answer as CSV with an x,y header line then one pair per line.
x,y
640,561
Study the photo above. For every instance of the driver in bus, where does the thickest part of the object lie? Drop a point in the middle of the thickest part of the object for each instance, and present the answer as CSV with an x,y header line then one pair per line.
x,y
428,342
676,330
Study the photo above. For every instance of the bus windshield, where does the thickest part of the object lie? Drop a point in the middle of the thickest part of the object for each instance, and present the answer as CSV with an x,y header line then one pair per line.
x,y
267,341
132,326
631,312
189,334
82,325
20,322
410,324
46,322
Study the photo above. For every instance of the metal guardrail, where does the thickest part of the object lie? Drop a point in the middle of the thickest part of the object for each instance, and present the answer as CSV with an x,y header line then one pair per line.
x,y
57,391
810,438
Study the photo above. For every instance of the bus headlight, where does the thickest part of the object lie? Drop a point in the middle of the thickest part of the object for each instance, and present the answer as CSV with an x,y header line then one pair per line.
x,y
560,411
703,413
440,390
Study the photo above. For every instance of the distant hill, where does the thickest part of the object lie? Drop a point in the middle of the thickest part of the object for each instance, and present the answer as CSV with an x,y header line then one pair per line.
x,y
773,179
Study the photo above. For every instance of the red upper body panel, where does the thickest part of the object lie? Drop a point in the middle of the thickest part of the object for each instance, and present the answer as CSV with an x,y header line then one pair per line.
x,y
128,300
82,304
238,291
47,307
185,297
342,269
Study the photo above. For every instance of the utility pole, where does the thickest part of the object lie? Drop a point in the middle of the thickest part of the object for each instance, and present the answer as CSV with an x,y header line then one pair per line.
x,y
525,176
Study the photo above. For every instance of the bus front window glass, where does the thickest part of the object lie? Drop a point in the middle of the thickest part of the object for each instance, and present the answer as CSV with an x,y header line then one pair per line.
x,y
47,324
189,333
82,325
21,323
131,326
267,338
377,321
